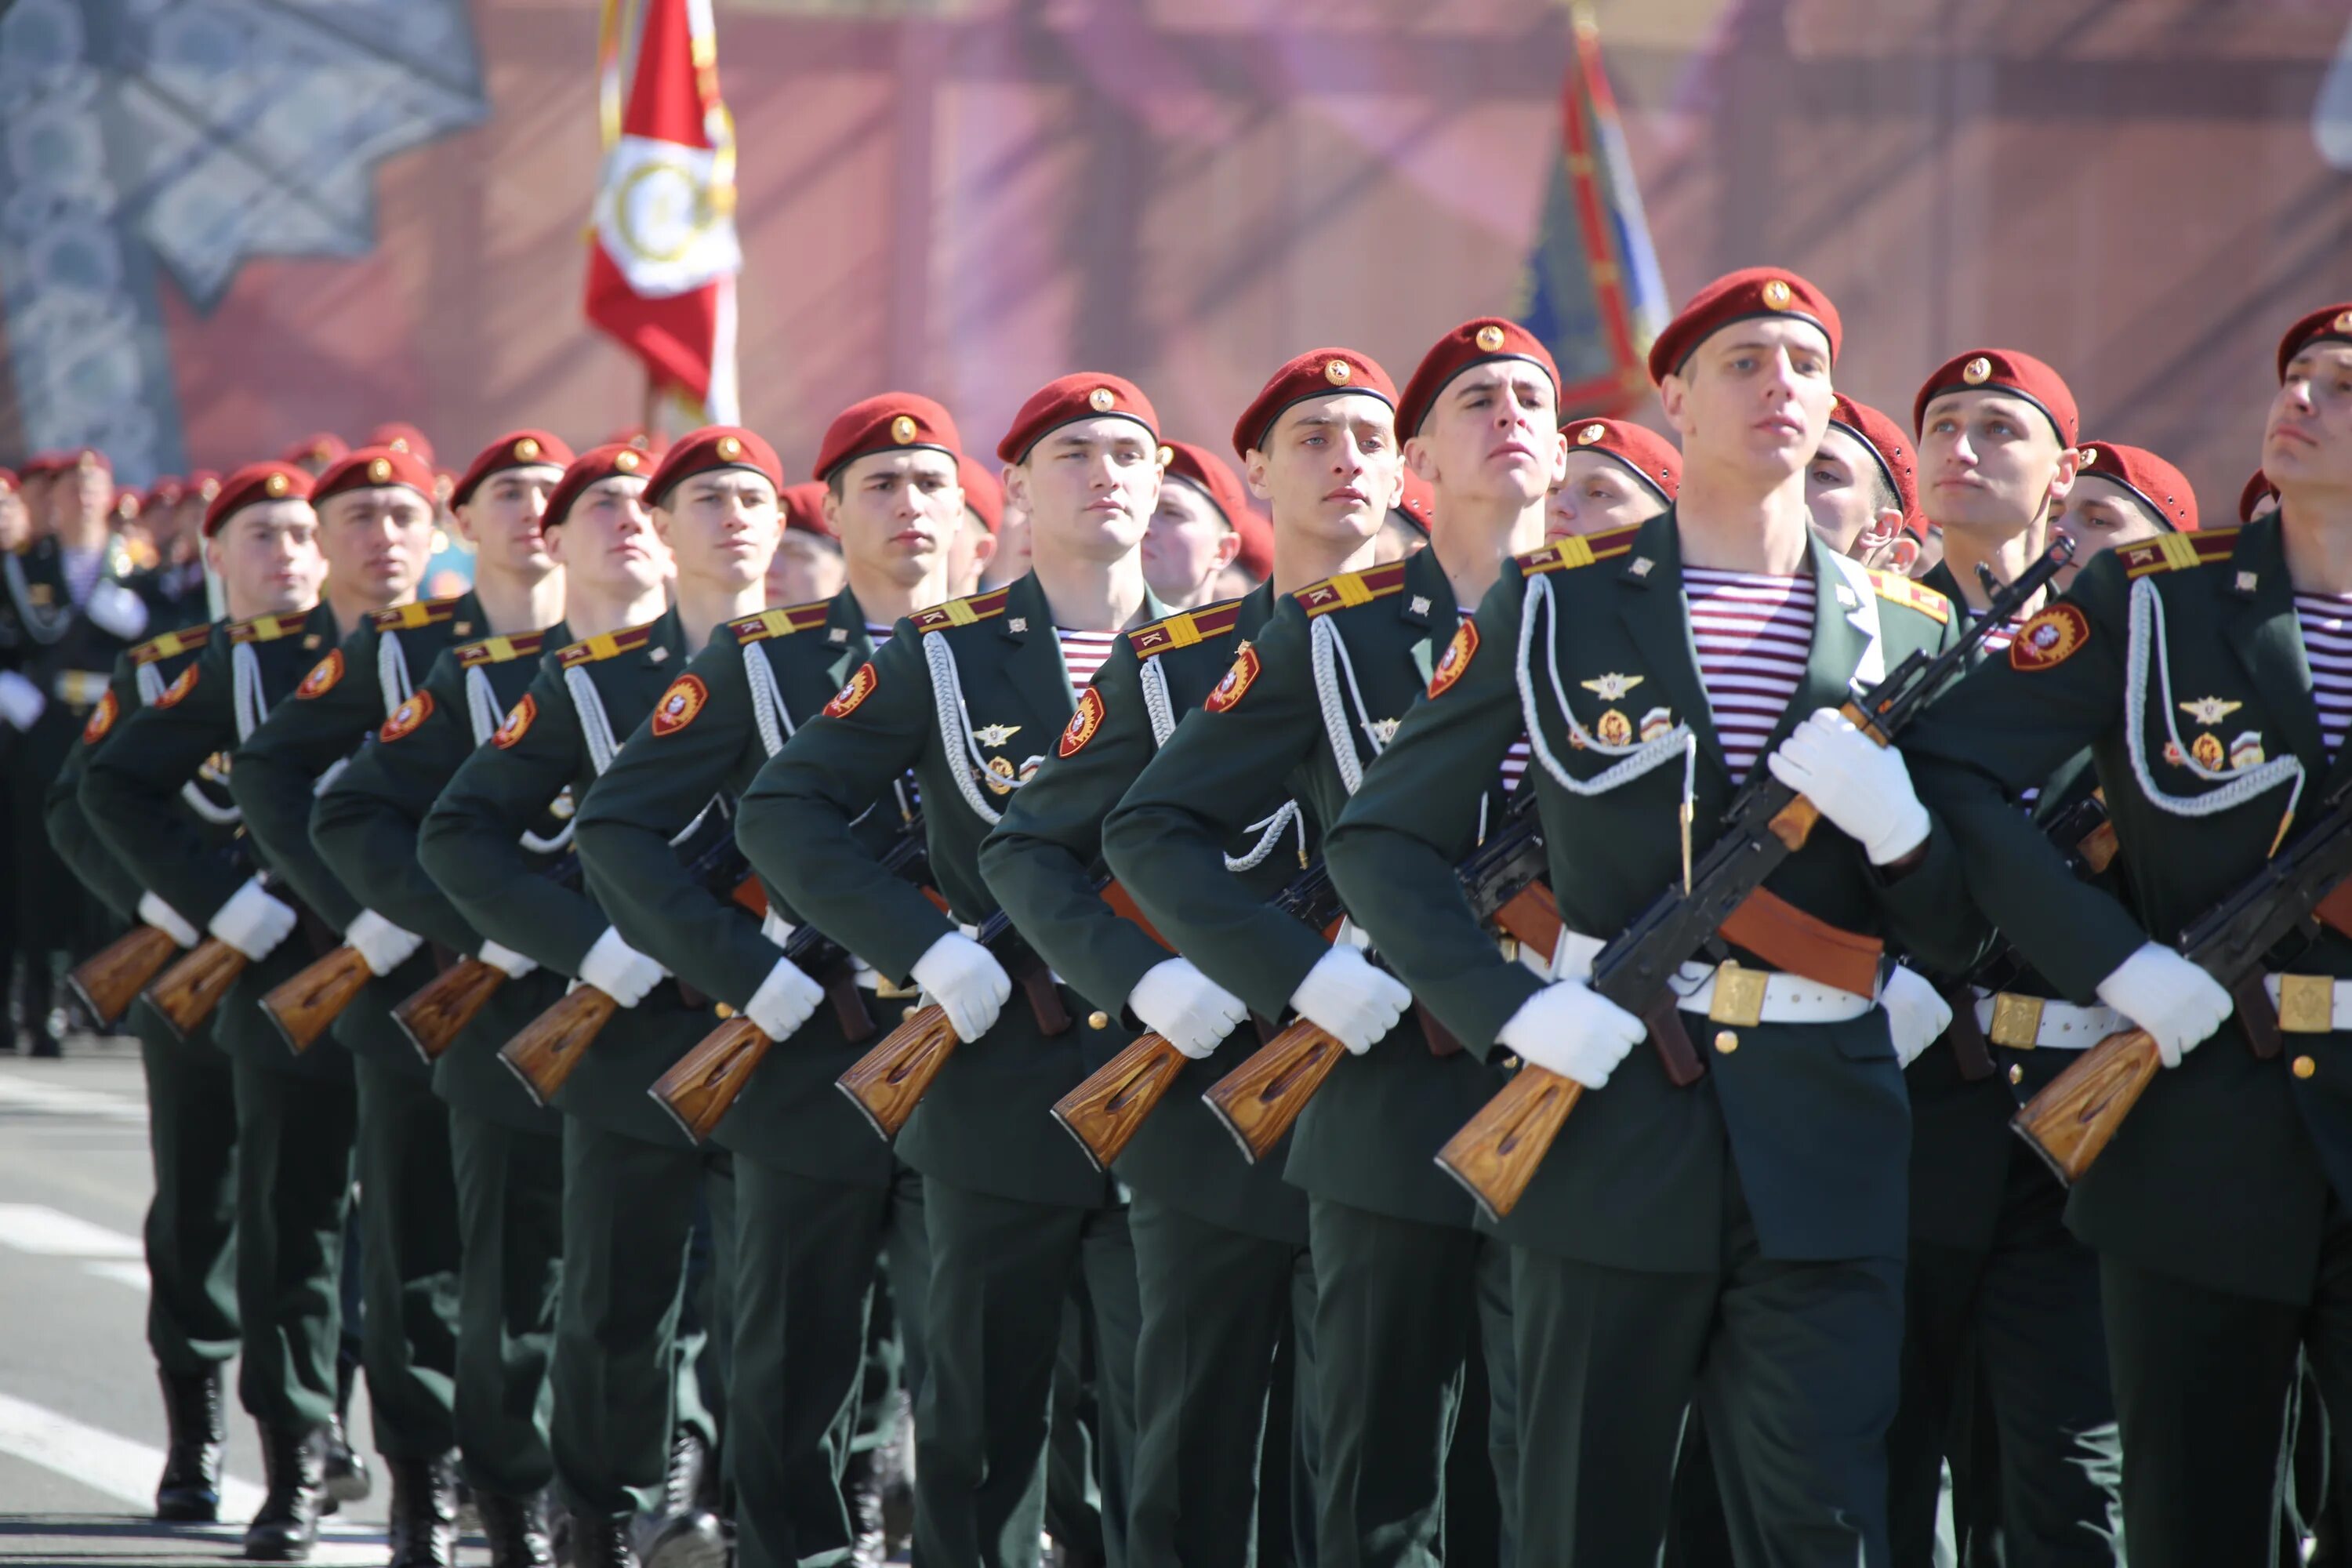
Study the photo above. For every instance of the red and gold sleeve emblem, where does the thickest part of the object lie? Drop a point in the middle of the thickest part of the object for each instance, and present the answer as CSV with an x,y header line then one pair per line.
x,y
1237,683
518,723
405,718
1455,663
322,677
174,694
2050,638
1083,723
846,701
102,719
679,704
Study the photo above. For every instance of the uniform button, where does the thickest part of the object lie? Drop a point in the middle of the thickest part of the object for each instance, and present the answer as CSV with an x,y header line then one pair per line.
x,y
2305,1067
2017,1072
1727,1042
1098,1020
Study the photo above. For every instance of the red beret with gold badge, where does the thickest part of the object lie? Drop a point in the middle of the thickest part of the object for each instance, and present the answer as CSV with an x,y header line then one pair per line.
x,y
1418,501
401,436
1070,398
804,508
1651,456
84,459
2153,482
2258,490
1318,372
1884,443
2002,370
373,468
893,422
40,466
2330,324
1213,477
1473,343
515,450
254,484
204,484
321,447
611,460
166,491
1747,295
708,449
984,494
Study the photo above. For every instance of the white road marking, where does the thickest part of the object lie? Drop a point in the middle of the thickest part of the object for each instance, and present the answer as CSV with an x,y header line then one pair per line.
x,y
134,1275
59,1100
47,1233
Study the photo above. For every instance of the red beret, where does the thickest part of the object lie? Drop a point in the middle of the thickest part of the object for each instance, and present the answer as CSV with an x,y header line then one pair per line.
x,y
1257,554
2157,484
515,450
2332,324
1067,400
253,484
77,458
1651,456
1741,296
804,508
373,468
127,505
983,493
1213,477
643,439
596,464
1471,343
1419,502
405,437
324,447
1884,441
7,482
2258,490
204,484
166,491
2001,370
40,465
712,448
1319,373
890,422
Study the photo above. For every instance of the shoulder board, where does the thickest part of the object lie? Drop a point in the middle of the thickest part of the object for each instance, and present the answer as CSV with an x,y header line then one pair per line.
x,y
606,645
407,617
497,650
1580,550
1900,590
1350,589
1185,629
780,622
2176,551
964,612
185,640
268,628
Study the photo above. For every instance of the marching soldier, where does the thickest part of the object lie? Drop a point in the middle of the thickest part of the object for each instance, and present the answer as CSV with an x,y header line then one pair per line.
x,y
1738,1242
983,513
1407,1293
971,697
2203,671
2122,495
820,1201
1195,532
806,566
633,1435
1862,487
1619,474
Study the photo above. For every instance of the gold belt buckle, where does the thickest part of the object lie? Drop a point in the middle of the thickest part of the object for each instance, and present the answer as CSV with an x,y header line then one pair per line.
x,y
2016,1021
2306,1004
887,992
1739,998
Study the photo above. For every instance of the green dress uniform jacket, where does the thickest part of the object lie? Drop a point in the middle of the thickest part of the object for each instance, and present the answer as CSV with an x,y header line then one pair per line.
x,y
1041,861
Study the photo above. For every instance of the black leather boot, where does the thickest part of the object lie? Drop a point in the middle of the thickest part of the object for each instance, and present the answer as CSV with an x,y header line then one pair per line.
x,y
685,1533
288,1525
601,1540
423,1529
861,1493
189,1493
516,1528
41,1020
347,1474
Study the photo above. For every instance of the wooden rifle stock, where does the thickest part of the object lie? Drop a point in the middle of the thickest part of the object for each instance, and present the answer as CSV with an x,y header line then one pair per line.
x,y
1260,1099
305,1005
442,1008
702,1086
551,1045
111,978
185,994
2070,1122
1105,1112
887,1082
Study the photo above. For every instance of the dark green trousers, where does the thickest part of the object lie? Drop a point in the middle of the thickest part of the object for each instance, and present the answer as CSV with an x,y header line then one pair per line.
x,y
2031,1304
999,1270
409,1256
191,1230
294,1141
510,1235
807,1256
624,1375
1793,1367
1214,1303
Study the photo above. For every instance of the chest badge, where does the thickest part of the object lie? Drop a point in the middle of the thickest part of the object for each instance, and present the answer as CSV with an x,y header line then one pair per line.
x,y
994,736
1611,687
2208,750
2246,751
1382,731
1656,722
1614,729
2210,710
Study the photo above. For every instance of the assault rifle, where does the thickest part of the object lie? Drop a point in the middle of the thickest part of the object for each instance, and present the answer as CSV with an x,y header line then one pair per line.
x,y
440,1010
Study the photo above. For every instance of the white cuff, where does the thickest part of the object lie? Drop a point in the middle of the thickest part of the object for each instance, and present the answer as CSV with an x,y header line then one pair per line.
x,y
384,944
167,920
507,959
252,922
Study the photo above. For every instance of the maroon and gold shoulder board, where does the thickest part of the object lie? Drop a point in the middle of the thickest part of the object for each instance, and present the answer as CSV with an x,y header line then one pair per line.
x,y
268,628
606,645
2178,551
418,613
1184,629
780,622
963,612
187,639
500,649
1350,589
1580,550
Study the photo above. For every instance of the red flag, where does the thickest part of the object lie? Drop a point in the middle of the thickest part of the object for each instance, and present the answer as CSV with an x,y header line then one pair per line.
x,y
664,256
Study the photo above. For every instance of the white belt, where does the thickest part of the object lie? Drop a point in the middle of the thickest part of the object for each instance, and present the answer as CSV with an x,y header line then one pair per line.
x,y
2310,1004
80,688
1729,992
2035,1023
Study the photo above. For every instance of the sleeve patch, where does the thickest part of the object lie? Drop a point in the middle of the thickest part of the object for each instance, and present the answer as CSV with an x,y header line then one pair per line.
x,y
518,723
1236,682
1083,723
322,677
101,718
679,704
408,716
174,694
845,702
1455,663
2050,638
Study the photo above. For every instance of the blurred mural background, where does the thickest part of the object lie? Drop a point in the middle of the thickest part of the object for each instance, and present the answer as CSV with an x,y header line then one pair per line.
x,y
226,223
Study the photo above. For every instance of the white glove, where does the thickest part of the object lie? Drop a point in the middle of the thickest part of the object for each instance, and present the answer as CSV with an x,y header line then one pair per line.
x,y
514,963
384,944
252,922
1917,1014
966,982
784,1001
1858,784
167,920
619,970
1184,1006
1348,999
21,703
1572,1029
2175,1002
116,611
775,928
